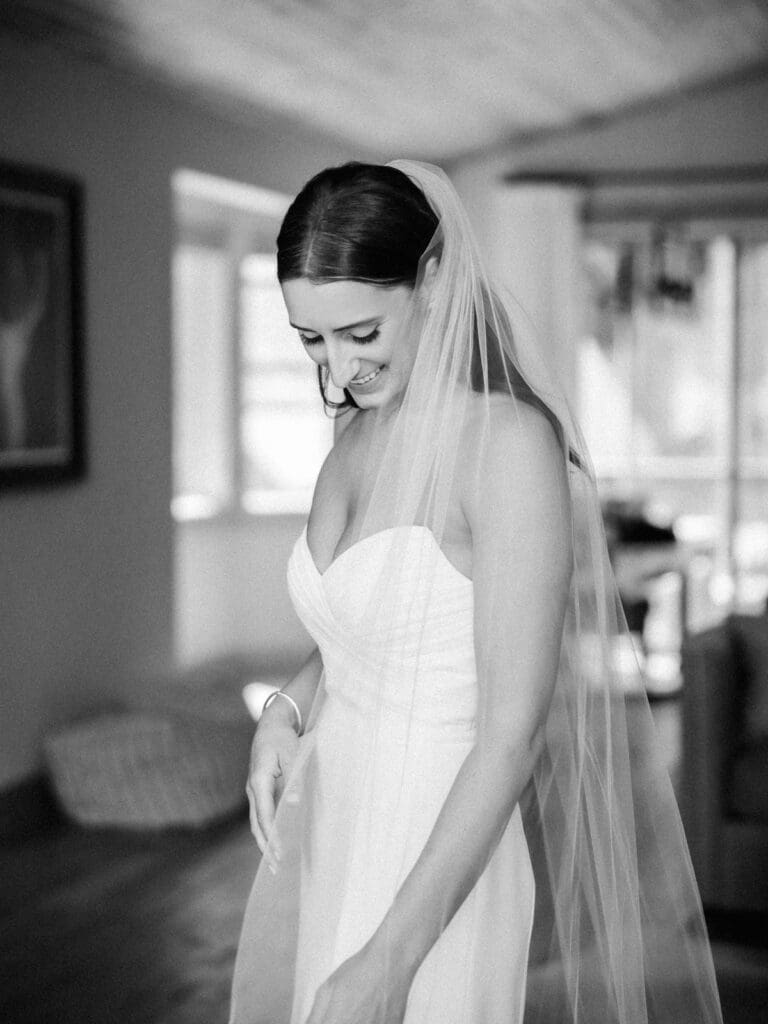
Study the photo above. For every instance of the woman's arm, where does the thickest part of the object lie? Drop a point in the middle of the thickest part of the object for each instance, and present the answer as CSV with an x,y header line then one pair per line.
x,y
302,688
274,747
304,684
518,509
275,743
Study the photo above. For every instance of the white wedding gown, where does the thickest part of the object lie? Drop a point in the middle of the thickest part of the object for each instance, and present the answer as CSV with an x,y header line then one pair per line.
x,y
383,760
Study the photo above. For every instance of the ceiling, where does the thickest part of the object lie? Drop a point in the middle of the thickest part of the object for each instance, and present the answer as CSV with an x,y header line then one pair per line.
x,y
431,78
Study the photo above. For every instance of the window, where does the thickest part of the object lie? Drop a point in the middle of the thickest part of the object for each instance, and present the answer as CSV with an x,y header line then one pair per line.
x,y
249,430
284,435
673,385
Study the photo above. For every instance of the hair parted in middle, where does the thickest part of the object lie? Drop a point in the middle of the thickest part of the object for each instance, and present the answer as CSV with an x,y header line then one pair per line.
x,y
356,222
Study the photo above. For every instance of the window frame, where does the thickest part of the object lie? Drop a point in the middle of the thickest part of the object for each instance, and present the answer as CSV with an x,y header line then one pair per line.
x,y
238,221
728,469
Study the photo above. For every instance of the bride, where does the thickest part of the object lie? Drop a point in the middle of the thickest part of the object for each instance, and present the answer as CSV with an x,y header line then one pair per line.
x,y
462,813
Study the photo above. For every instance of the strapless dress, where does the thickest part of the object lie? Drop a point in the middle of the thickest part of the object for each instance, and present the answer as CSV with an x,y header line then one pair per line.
x,y
393,732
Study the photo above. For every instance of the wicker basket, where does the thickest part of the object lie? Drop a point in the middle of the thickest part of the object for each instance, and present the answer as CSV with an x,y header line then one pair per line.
x,y
148,770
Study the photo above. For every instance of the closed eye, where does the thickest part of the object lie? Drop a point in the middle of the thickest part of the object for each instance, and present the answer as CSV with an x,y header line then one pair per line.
x,y
368,338
365,339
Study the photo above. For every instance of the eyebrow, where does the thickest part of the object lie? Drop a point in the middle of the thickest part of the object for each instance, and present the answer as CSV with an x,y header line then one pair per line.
x,y
338,330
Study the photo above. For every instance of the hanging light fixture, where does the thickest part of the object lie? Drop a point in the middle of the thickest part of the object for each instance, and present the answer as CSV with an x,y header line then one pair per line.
x,y
673,267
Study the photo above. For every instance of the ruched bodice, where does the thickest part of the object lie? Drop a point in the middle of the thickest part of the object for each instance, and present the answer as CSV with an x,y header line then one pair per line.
x,y
412,648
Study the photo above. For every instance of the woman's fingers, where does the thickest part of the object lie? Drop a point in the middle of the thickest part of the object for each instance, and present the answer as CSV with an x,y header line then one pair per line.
x,y
264,794
259,836
270,766
263,785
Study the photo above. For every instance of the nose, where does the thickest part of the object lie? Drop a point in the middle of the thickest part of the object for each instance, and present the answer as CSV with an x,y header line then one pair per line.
x,y
342,364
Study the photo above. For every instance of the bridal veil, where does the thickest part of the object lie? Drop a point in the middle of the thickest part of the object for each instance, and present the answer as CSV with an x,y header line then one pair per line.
x,y
618,930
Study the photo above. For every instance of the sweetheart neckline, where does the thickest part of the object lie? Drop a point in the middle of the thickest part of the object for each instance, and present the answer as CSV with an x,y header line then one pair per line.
x,y
373,536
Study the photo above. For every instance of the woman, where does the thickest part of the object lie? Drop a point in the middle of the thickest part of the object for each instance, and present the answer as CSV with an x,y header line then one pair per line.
x,y
464,832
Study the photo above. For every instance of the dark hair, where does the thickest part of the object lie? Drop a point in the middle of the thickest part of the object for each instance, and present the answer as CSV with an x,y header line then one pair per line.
x,y
356,222
371,223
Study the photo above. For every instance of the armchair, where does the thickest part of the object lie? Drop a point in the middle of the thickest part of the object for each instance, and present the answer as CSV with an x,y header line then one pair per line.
x,y
724,786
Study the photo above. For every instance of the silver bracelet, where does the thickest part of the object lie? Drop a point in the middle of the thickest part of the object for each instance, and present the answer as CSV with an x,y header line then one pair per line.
x,y
292,702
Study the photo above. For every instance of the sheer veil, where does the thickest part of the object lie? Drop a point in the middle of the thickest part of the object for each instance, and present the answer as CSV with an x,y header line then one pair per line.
x,y
618,933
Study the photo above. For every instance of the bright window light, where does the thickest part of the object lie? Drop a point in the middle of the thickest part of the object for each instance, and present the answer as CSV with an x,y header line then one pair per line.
x,y
249,430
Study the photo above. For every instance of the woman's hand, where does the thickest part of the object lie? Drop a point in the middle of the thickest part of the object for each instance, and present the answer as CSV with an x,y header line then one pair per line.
x,y
272,753
368,988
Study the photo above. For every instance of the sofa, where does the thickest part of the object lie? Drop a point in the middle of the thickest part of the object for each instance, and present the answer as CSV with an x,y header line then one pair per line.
x,y
724,786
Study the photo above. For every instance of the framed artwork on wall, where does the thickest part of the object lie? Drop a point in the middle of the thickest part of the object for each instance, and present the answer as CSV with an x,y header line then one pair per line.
x,y
41,328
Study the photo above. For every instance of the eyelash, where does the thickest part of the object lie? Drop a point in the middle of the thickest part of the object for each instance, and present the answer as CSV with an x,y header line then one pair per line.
x,y
360,341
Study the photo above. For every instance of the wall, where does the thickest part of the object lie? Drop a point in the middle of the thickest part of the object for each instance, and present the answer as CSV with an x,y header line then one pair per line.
x,y
530,235
231,593
87,569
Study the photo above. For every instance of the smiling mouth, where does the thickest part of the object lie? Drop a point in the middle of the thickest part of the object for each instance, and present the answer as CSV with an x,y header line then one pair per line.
x,y
359,381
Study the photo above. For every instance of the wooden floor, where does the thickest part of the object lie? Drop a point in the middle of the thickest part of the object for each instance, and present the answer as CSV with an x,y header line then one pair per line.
x,y
102,927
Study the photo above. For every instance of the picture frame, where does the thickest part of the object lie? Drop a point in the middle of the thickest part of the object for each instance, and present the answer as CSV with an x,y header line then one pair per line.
x,y
41,328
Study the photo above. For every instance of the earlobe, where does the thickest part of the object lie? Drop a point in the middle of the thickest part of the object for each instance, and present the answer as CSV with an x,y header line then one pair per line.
x,y
430,271
428,281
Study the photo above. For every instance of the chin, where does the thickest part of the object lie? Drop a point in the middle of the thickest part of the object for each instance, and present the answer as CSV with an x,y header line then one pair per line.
x,y
376,399
372,401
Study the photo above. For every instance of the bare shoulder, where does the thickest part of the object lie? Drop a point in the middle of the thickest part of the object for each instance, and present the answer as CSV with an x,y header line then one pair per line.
x,y
510,452
501,426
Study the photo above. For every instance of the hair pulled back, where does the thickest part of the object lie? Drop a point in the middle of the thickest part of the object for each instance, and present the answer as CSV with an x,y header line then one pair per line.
x,y
356,222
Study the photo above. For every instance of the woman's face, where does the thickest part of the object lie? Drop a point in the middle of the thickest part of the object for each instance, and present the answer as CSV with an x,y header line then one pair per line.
x,y
357,330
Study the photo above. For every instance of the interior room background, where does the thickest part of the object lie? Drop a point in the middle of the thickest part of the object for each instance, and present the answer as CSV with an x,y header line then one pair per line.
x,y
104,587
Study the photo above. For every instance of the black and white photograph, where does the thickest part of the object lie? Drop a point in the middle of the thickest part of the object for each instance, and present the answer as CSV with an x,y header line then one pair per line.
x,y
384,512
